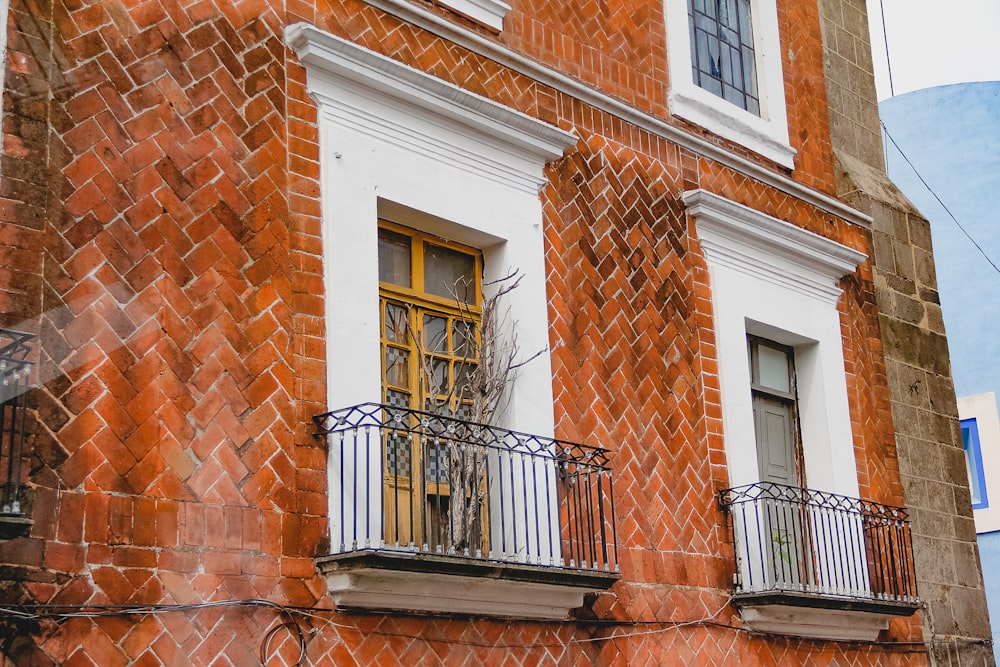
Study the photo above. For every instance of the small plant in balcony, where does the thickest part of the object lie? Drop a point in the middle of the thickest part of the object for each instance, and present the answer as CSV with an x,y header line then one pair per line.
x,y
780,541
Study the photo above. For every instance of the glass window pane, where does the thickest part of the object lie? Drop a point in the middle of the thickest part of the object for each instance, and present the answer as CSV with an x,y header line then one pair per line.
x,y
464,339
396,367
464,411
437,463
463,378
437,369
435,334
393,258
398,443
449,273
726,11
745,28
749,73
773,365
973,462
396,323
722,52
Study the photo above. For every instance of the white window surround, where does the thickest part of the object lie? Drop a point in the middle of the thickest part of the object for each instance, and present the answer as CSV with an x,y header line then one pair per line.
x,y
399,144
778,281
772,279
488,12
766,134
402,144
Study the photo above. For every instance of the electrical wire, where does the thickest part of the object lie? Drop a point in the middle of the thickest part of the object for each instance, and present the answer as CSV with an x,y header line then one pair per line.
x,y
885,39
62,612
290,612
939,201
291,623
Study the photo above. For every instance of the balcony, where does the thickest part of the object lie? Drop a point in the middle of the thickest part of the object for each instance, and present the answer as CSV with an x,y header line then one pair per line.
x,y
818,564
15,375
432,513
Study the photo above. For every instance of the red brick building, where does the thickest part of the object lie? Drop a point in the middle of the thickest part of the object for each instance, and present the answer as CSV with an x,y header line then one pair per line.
x,y
250,250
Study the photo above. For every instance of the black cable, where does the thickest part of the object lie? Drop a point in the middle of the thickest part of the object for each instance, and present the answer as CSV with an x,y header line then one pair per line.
x,y
39,611
292,624
885,38
931,190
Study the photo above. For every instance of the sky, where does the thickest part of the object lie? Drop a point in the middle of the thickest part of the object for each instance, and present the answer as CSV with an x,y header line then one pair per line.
x,y
934,42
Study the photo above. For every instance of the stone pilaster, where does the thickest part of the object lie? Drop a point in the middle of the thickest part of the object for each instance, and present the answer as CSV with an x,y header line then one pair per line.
x,y
925,415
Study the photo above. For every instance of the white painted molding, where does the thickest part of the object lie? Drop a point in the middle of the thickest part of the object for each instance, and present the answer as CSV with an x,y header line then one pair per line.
x,y
488,12
398,144
836,624
587,94
766,137
375,75
752,242
770,278
375,588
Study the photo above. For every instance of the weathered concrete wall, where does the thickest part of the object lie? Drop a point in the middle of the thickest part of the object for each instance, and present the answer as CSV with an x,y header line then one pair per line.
x,y
924,411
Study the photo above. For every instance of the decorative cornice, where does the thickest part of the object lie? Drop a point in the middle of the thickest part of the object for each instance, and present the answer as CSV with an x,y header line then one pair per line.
x,y
483,46
757,244
456,114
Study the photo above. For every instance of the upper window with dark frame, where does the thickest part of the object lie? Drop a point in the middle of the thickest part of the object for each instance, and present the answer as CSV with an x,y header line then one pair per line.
x,y
723,59
775,411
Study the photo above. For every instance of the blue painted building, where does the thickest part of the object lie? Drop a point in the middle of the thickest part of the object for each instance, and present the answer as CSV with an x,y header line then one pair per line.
x,y
943,151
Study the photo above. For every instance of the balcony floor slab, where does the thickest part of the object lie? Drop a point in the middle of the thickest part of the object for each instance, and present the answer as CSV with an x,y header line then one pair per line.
x,y
410,581
818,616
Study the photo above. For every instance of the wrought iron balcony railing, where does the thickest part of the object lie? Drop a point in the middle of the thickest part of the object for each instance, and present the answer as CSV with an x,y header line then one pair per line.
x,y
414,482
15,374
805,542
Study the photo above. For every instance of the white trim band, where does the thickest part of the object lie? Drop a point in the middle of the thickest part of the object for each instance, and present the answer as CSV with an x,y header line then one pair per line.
x,y
599,100
488,12
741,238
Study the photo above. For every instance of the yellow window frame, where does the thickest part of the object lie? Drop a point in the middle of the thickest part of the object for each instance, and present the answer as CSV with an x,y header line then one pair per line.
x,y
414,496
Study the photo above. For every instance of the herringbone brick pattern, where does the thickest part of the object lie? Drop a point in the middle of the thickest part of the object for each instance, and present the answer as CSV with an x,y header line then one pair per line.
x,y
805,92
25,183
627,341
160,201
166,467
617,46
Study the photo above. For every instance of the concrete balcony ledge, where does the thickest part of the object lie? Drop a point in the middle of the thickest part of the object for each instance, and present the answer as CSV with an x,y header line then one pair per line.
x,y
380,579
819,616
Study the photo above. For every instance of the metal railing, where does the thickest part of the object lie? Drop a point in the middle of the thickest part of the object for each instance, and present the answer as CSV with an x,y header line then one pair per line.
x,y
795,540
15,375
418,482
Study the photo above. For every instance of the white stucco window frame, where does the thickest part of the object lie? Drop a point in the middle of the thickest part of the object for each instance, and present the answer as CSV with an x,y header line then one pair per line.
x,y
398,143
772,279
402,145
766,134
489,13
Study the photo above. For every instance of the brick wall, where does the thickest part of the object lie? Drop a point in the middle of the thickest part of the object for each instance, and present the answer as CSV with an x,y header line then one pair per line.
x,y
160,190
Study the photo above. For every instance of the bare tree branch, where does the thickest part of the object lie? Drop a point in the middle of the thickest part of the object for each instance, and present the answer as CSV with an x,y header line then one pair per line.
x,y
490,344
